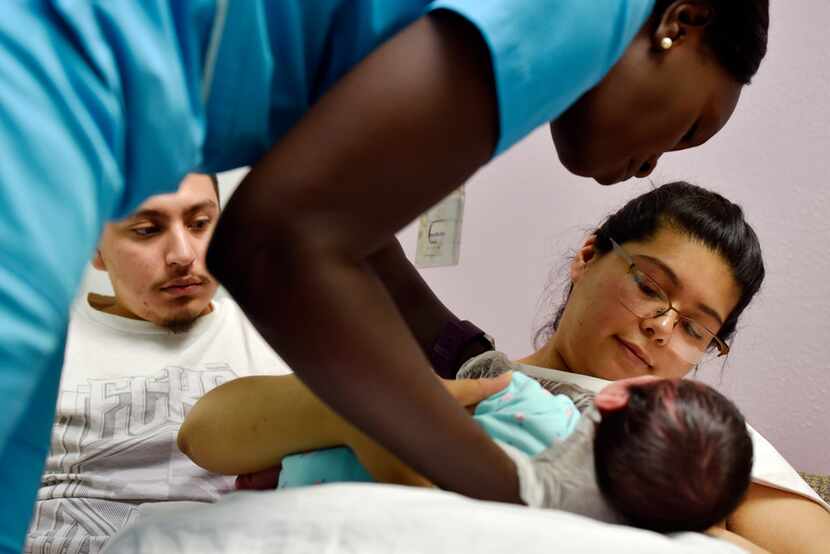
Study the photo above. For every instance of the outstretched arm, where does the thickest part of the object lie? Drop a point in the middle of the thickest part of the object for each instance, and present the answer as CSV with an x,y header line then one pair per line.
x,y
250,424
403,129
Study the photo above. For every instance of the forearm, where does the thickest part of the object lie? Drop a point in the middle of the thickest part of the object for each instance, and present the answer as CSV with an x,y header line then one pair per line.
x,y
421,309
250,424
330,195
357,354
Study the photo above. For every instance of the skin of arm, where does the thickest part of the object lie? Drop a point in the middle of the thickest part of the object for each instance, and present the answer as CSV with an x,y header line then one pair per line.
x,y
781,522
424,313
720,532
404,128
250,424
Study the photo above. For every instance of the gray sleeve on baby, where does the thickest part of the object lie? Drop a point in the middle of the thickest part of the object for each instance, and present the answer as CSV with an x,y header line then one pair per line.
x,y
563,477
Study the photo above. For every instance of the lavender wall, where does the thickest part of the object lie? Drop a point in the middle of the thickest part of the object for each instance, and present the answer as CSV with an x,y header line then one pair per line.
x,y
524,213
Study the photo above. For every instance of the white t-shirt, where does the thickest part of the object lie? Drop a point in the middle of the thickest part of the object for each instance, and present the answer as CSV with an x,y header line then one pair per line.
x,y
125,389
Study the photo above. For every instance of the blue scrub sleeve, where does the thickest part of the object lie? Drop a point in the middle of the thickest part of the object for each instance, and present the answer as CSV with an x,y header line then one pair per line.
x,y
58,177
547,53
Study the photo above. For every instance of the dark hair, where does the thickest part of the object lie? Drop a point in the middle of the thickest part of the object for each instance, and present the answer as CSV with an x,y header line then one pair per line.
x,y
737,33
677,458
701,214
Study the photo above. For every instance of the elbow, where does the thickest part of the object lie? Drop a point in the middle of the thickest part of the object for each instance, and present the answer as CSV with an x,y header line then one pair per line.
x,y
254,249
183,440
198,439
188,440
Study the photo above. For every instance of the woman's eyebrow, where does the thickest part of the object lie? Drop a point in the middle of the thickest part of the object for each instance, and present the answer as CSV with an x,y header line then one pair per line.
x,y
662,266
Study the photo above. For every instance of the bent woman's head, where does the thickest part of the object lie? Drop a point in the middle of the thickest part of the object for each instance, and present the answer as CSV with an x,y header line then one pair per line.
x,y
675,86
661,283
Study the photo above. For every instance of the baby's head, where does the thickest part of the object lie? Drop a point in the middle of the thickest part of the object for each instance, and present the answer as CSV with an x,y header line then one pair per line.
x,y
676,457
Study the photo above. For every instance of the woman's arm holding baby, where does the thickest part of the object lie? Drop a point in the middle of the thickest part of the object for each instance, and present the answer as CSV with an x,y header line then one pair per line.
x,y
782,522
720,532
251,424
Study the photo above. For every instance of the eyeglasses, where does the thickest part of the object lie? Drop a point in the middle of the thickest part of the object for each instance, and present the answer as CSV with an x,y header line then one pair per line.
x,y
642,296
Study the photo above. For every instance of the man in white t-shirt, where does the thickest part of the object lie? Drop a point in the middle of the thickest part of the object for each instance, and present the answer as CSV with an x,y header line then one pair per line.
x,y
135,363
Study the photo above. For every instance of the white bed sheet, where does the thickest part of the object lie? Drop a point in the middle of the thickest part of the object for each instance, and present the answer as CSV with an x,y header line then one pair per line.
x,y
386,519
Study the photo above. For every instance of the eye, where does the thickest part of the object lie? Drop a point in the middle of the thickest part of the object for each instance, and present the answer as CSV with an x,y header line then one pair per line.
x,y
200,224
693,329
646,286
145,231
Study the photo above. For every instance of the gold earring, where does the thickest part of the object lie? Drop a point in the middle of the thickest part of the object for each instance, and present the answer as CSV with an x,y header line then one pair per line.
x,y
666,43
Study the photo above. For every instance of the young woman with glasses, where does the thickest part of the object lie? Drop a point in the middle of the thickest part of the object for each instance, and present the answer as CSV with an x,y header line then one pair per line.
x,y
657,288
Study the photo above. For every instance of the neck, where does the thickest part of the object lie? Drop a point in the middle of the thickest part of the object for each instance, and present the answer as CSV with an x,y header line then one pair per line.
x,y
548,356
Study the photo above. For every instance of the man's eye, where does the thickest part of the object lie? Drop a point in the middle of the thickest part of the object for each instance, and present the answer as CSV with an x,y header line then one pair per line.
x,y
145,231
200,224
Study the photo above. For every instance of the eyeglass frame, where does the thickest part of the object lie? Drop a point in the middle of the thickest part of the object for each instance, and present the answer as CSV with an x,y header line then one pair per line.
x,y
723,348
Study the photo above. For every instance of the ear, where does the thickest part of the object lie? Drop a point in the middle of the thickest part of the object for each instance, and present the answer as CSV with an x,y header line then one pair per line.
x,y
682,21
615,396
586,254
611,399
98,261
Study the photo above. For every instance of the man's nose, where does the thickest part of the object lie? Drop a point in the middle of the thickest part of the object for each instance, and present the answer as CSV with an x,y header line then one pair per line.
x,y
180,251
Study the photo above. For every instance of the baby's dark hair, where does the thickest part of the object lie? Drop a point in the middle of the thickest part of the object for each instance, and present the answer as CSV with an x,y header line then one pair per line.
x,y
677,458
737,34
703,216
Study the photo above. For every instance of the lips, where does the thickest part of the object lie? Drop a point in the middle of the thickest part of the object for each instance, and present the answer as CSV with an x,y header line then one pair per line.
x,y
636,351
182,282
183,286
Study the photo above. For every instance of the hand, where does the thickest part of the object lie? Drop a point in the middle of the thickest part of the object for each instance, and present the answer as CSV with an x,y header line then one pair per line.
x,y
260,480
469,392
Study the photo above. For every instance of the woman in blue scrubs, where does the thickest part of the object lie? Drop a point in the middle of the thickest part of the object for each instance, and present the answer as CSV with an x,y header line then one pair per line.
x,y
356,116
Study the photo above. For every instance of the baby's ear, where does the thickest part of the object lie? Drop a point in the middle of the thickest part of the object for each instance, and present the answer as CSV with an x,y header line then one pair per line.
x,y
611,400
615,396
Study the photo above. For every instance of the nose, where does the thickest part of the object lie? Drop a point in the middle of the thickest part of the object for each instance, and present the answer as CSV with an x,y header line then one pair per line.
x,y
659,328
648,166
180,251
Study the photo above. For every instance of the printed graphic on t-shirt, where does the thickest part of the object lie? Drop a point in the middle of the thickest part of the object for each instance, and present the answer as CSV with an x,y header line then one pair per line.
x,y
113,448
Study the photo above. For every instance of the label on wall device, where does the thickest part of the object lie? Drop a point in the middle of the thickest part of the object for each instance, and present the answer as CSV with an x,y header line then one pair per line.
x,y
439,232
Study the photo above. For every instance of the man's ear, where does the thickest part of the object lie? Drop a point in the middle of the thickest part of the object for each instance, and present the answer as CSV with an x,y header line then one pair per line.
x,y
586,254
98,261
683,20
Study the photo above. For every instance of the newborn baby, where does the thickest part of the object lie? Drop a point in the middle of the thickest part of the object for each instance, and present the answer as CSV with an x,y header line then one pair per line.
x,y
660,454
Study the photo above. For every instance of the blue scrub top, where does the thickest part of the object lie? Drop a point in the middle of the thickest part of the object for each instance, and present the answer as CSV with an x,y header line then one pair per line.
x,y
104,103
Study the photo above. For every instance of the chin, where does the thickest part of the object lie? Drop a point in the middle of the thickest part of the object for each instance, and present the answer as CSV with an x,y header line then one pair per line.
x,y
179,321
